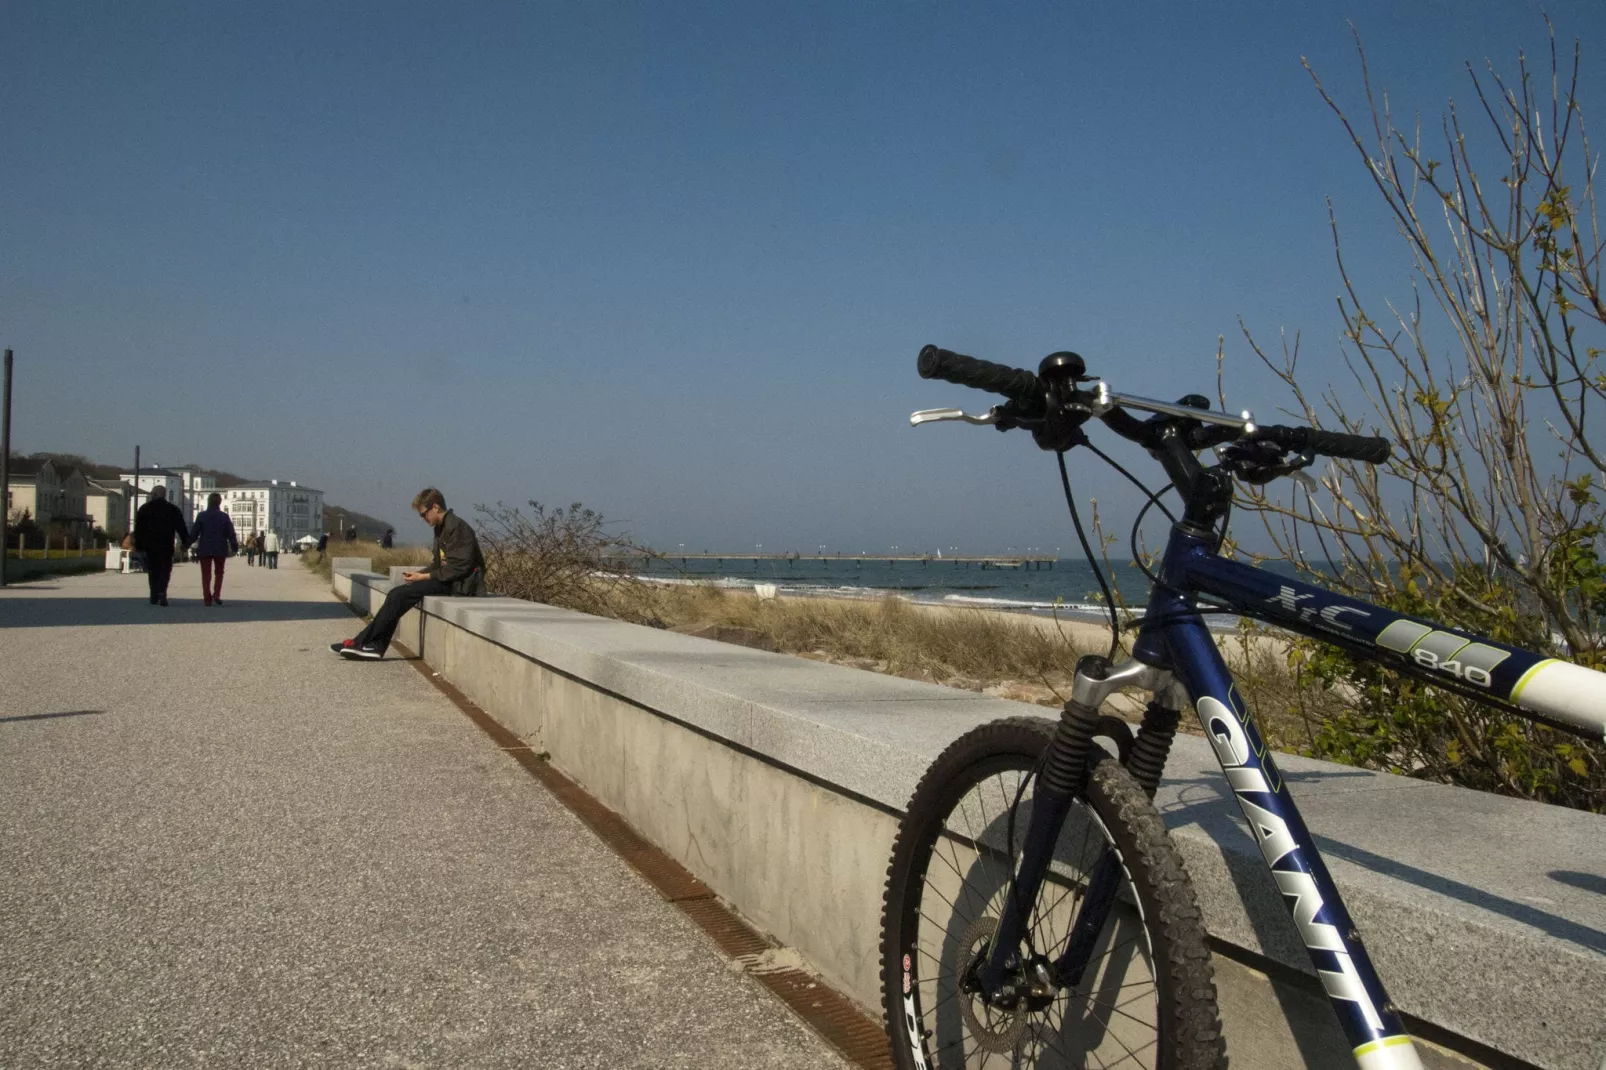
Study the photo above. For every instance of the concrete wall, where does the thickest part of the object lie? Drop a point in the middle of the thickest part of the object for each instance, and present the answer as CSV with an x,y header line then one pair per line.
x,y
778,782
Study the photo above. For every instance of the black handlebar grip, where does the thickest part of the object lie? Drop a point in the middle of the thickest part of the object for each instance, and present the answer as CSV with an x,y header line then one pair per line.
x,y
1350,447
1017,384
1330,443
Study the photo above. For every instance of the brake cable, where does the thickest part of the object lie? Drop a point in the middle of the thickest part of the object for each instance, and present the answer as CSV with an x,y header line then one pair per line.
x,y
1154,499
1092,561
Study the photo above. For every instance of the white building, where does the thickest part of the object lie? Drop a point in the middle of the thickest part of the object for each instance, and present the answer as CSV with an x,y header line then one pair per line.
x,y
193,487
149,479
284,507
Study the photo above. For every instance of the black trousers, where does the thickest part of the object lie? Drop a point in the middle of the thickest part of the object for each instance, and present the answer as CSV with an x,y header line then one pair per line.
x,y
402,597
158,570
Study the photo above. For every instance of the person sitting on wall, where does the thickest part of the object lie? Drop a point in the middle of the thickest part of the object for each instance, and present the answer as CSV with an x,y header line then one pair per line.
x,y
456,568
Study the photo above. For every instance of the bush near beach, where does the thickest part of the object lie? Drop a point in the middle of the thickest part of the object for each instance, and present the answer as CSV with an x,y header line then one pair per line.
x,y
1488,379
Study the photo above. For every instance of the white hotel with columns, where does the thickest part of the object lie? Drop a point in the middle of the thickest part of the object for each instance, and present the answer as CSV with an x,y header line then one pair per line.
x,y
291,510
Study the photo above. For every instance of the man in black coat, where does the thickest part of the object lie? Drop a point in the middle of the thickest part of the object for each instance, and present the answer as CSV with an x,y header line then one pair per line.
x,y
456,568
156,525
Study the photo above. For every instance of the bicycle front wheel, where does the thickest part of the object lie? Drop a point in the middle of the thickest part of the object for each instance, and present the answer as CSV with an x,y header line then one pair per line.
x,y
1146,997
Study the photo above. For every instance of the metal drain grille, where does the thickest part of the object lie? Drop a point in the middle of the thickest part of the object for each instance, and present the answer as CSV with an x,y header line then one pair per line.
x,y
856,1036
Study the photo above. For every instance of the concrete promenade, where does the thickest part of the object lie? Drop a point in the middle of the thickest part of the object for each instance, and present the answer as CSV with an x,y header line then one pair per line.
x,y
222,846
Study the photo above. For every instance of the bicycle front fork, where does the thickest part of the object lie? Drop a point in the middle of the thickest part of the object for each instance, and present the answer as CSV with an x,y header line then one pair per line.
x,y
1061,779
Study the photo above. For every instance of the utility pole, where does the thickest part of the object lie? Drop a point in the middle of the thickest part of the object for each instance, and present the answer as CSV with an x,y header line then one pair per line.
x,y
133,506
5,469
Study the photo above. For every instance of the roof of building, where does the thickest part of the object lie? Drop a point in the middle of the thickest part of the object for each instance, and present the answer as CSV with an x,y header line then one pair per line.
x,y
106,486
264,484
151,472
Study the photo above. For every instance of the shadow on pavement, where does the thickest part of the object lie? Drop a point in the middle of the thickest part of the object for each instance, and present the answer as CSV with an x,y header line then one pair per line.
x,y
112,612
50,716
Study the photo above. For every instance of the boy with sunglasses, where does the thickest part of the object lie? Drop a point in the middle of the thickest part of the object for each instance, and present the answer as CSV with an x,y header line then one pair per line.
x,y
456,568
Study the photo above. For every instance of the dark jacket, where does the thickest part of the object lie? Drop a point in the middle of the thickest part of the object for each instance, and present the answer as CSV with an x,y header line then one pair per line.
x,y
457,559
213,534
156,525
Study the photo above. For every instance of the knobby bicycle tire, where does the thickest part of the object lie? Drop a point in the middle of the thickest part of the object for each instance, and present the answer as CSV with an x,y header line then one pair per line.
x,y
1147,1000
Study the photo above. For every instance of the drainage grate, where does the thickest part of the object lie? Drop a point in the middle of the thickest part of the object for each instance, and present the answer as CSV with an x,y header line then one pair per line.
x,y
857,1036
734,937
839,1021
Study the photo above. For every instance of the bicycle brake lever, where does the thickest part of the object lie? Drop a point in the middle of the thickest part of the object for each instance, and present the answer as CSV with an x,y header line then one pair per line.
x,y
931,416
1258,463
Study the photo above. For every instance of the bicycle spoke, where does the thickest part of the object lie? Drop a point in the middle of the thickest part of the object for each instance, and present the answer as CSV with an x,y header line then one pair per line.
x,y
987,823
954,865
1111,1034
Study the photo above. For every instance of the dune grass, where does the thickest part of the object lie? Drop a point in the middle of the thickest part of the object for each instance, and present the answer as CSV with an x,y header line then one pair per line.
x,y
901,638
382,559
1026,658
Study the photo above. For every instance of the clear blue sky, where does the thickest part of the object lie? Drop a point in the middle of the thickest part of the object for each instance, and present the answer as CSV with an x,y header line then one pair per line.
x,y
675,260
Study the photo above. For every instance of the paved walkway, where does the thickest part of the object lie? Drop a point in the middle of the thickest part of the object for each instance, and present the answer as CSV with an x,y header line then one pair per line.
x,y
222,846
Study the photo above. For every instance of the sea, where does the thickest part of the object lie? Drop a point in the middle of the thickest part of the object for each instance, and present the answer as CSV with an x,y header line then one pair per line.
x,y
1067,588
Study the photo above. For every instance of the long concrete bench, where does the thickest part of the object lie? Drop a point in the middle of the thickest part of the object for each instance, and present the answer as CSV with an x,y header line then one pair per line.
x,y
779,781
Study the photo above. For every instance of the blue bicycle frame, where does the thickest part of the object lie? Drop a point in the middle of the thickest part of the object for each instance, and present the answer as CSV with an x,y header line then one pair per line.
x,y
1174,640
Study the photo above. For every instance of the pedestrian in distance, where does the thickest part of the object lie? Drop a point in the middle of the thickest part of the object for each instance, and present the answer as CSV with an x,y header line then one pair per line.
x,y
251,550
156,526
456,568
214,540
323,544
389,539
270,548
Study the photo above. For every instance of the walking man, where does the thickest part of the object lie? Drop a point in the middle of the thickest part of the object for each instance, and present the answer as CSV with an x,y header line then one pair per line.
x,y
323,544
270,549
456,568
251,549
214,540
156,525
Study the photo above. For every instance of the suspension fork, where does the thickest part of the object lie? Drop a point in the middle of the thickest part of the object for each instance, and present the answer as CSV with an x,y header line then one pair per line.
x,y
1062,778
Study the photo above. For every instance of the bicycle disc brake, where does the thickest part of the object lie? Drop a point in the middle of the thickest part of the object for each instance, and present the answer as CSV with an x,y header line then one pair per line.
x,y
994,1028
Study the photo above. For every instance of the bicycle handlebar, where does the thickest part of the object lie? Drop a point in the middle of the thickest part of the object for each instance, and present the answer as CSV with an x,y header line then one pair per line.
x,y
1028,389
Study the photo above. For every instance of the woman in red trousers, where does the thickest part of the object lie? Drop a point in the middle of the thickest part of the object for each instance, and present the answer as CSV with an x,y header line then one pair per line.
x,y
214,541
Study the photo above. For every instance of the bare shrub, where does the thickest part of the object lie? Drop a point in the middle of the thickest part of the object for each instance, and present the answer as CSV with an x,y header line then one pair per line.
x,y
1488,380
563,557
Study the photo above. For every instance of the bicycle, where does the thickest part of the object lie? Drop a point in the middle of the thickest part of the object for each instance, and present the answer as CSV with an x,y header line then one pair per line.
x,y
1035,907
